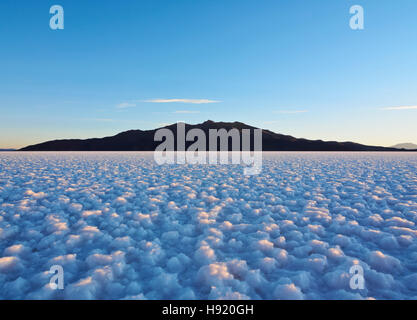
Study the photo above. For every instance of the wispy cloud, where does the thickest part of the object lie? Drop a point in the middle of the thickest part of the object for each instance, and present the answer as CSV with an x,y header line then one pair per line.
x,y
112,120
164,124
186,111
133,103
101,119
124,105
401,108
270,122
291,111
192,101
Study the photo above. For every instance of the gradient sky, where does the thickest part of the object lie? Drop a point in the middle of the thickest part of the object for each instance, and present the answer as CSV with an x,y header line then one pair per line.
x,y
294,67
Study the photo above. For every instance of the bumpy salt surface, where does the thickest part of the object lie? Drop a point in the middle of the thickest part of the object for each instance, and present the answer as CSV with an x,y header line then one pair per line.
x,y
123,227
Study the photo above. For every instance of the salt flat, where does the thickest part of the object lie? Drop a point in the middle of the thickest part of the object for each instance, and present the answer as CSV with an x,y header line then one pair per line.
x,y
124,227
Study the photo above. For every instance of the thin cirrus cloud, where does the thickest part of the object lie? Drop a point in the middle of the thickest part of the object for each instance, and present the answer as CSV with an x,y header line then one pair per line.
x,y
186,111
401,108
124,105
291,111
191,101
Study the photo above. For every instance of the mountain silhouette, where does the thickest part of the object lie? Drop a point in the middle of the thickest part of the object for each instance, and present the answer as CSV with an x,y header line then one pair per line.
x,y
140,140
407,146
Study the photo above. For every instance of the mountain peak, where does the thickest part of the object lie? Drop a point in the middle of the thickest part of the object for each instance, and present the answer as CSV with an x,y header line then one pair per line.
x,y
139,140
406,146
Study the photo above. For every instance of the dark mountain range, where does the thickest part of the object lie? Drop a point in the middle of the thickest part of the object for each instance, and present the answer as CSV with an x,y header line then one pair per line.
x,y
139,140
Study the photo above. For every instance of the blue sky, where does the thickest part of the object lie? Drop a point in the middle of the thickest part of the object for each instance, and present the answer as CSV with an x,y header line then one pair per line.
x,y
294,67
